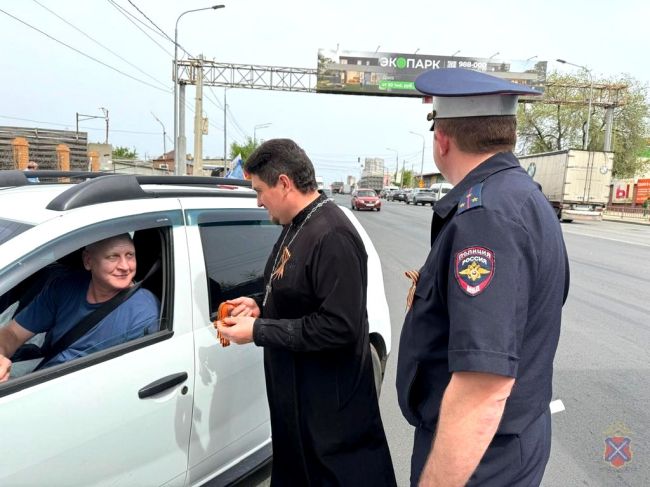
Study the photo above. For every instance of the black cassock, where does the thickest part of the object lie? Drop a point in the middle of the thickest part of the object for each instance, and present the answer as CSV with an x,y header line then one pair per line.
x,y
314,329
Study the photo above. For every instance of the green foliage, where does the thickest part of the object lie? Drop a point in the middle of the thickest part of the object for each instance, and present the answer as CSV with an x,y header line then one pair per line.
x,y
407,179
124,153
545,127
245,150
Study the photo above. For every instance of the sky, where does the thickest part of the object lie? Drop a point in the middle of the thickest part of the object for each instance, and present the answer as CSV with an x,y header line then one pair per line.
x,y
45,83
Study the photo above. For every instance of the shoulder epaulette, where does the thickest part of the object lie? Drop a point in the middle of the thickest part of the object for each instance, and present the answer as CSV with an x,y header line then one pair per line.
x,y
471,199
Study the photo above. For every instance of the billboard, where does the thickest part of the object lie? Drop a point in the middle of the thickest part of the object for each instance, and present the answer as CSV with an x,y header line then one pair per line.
x,y
622,191
393,74
642,191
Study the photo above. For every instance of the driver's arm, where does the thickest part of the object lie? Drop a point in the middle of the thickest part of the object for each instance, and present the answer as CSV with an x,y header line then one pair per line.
x,y
12,336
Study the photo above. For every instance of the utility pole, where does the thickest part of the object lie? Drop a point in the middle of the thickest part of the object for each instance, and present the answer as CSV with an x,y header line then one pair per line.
x,y
225,110
179,165
585,140
82,117
198,121
106,117
182,140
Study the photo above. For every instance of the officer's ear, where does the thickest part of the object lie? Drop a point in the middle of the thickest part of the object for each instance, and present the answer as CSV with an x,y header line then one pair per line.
x,y
441,142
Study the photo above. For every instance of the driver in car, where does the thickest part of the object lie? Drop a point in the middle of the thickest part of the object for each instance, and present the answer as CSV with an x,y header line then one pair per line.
x,y
67,299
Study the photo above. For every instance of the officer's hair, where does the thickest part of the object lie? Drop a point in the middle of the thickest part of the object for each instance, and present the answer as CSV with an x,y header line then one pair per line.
x,y
282,156
481,135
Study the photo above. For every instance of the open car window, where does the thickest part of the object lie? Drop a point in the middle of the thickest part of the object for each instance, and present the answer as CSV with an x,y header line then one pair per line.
x,y
44,280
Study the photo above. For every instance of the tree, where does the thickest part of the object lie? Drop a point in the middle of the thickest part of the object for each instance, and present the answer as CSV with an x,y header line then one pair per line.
x,y
244,150
545,127
407,179
124,153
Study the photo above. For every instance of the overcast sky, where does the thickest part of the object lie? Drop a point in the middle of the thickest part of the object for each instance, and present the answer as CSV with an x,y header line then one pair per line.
x,y
45,83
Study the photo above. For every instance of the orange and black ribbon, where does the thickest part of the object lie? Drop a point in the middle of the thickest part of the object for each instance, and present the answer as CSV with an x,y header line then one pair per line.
x,y
414,276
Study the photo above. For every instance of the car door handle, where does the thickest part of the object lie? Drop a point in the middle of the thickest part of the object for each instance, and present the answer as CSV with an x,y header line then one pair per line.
x,y
160,385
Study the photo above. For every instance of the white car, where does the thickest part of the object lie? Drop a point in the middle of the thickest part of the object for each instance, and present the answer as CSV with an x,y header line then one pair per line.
x,y
171,408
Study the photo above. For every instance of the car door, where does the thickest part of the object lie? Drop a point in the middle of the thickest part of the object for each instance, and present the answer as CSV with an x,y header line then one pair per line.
x,y
120,416
231,416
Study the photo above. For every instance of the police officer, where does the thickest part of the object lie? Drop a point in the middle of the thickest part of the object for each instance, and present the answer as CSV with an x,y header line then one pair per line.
x,y
475,362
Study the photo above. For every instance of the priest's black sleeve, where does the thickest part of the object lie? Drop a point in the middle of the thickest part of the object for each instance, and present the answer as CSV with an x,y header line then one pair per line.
x,y
338,277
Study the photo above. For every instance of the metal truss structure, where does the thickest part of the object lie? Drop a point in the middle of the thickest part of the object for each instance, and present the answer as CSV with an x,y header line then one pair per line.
x,y
277,78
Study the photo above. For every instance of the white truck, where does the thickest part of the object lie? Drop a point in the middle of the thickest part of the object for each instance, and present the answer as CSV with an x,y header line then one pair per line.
x,y
576,182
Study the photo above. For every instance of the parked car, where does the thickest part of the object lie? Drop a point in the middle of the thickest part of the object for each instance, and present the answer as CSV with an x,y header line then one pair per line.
x,y
169,408
440,189
420,196
365,199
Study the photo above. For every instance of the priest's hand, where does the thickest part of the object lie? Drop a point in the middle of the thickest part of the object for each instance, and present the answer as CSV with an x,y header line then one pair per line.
x,y
237,329
244,307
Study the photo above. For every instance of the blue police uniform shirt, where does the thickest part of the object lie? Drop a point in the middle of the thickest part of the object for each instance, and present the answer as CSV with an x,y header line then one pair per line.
x,y
488,298
62,304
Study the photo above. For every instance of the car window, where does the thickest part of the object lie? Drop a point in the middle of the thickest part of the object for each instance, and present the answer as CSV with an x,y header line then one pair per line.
x,y
445,190
236,246
55,274
9,229
366,194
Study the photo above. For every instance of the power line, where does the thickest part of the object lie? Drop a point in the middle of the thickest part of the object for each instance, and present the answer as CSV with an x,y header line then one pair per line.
x,y
151,21
127,14
98,43
87,128
83,53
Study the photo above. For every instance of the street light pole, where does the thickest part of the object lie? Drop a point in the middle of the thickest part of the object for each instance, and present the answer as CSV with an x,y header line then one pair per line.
x,y
585,142
259,126
177,160
164,134
422,163
396,160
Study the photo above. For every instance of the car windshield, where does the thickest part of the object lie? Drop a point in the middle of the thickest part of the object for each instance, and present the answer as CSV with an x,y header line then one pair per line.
x,y
366,194
9,229
425,191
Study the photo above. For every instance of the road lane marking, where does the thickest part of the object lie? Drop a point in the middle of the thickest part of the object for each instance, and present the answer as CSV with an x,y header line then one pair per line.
x,y
556,406
607,238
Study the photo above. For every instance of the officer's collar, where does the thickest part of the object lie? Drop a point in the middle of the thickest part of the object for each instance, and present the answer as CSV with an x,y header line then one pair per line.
x,y
492,165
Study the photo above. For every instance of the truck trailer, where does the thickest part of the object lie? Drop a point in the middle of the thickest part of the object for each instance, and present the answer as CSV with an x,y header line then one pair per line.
x,y
576,182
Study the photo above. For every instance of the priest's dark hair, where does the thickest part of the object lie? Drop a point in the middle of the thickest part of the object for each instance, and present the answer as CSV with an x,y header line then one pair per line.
x,y
282,156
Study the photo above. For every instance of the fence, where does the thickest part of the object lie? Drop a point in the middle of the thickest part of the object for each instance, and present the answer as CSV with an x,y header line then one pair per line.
x,y
628,212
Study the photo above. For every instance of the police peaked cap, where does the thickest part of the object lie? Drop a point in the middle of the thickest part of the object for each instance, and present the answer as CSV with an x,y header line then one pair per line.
x,y
459,93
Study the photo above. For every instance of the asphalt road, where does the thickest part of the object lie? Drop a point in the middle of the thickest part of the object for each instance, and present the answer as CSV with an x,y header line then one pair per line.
x,y
603,361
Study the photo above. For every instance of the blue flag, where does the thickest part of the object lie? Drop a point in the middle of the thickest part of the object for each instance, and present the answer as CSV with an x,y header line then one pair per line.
x,y
237,171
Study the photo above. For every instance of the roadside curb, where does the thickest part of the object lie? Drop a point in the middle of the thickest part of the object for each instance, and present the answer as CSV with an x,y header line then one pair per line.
x,y
624,220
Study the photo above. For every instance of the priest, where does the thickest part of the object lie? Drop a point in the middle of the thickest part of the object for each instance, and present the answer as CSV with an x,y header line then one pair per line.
x,y
313,325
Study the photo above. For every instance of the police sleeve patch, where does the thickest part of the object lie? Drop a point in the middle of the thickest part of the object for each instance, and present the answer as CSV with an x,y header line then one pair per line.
x,y
474,268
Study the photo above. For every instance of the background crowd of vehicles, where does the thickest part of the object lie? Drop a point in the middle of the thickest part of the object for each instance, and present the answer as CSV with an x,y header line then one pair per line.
x,y
417,196
369,199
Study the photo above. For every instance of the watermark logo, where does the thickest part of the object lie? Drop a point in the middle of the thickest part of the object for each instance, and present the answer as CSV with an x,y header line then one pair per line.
x,y
618,445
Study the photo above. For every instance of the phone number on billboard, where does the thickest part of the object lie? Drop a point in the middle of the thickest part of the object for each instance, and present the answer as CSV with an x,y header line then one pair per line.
x,y
472,65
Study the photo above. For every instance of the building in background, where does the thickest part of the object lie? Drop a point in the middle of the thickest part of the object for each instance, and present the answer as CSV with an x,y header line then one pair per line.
x,y
373,173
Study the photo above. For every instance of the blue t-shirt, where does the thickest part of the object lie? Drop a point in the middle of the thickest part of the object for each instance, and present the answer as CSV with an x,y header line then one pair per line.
x,y
62,304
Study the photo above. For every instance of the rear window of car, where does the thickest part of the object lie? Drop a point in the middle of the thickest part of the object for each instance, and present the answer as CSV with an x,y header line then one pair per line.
x,y
9,229
366,193
425,191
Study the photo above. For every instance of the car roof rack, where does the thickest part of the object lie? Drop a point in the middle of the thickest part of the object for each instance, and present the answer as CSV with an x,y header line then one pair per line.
x,y
101,187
